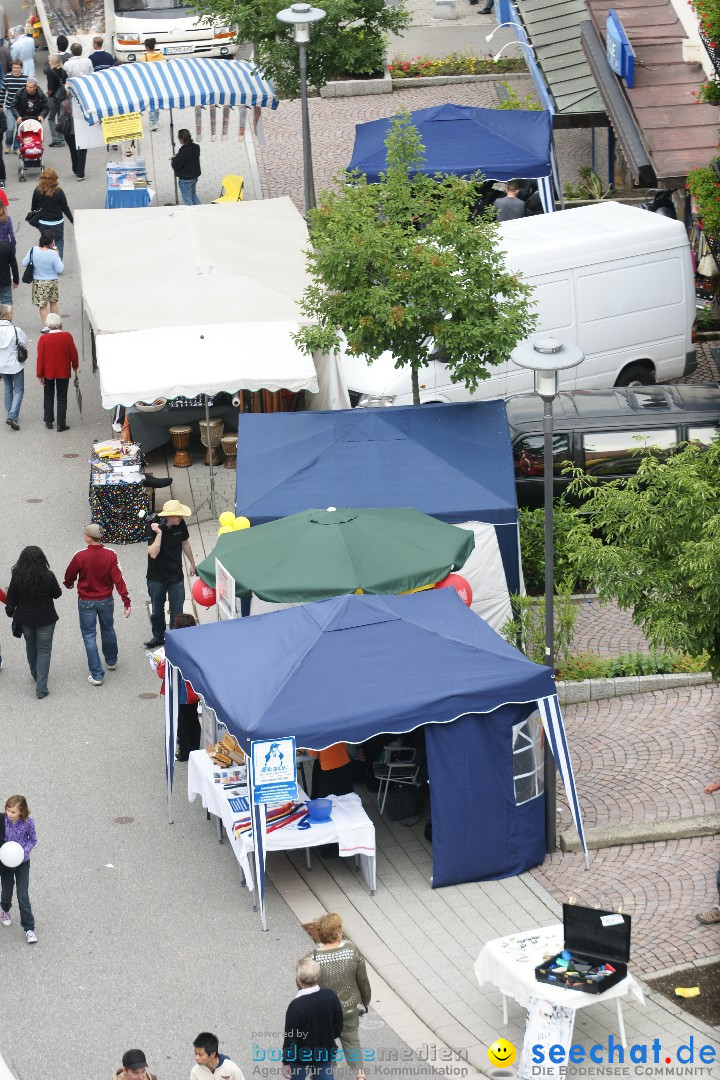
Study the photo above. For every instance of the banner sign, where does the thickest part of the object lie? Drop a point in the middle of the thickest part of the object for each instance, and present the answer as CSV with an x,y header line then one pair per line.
x,y
274,771
119,128
224,590
618,50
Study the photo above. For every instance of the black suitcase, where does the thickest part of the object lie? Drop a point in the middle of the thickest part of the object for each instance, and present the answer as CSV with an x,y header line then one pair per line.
x,y
593,938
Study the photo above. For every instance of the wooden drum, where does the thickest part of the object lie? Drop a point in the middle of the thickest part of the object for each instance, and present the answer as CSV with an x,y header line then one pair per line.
x,y
210,436
229,449
180,436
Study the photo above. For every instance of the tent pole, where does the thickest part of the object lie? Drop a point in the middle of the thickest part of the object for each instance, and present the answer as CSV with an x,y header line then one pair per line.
x,y
211,455
172,143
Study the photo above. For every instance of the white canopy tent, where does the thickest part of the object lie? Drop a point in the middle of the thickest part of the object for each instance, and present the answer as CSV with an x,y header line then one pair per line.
x,y
186,300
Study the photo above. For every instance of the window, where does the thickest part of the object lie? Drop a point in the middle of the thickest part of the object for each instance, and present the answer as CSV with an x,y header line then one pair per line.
x,y
703,434
528,454
124,7
78,17
528,773
618,453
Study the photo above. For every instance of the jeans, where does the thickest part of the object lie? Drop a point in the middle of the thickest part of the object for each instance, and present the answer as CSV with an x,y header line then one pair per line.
x,y
19,877
11,134
51,387
157,591
77,157
321,1072
188,192
14,390
38,646
59,231
53,106
101,611
154,117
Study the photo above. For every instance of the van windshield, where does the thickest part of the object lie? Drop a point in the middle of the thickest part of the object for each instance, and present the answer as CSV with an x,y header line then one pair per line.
x,y
122,7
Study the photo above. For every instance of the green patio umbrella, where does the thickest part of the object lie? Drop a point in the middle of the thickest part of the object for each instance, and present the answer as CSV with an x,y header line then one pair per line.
x,y
323,553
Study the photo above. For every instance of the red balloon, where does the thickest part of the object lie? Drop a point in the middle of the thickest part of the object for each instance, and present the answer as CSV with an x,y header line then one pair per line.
x,y
203,594
460,584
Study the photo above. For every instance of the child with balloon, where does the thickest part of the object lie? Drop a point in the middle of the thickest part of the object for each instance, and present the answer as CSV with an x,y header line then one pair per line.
x,y
17,839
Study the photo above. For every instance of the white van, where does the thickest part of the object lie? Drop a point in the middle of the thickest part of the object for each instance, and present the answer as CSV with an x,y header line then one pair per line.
x,y
615,280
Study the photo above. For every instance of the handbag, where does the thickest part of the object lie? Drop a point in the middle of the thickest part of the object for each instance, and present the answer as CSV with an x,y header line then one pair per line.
x,y
33,218
63,120
29,271
22,352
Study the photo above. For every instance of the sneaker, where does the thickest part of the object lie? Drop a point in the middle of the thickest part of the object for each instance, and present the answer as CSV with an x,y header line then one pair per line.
x,y
94,682
31,937
153,643
111,667
13,424
5,918
708,918
65,427
49,424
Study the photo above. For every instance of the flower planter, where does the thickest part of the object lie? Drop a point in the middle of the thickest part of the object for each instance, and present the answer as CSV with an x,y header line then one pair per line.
x,y
341,88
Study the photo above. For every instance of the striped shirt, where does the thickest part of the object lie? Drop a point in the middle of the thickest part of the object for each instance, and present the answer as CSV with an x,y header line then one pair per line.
x,y
13,83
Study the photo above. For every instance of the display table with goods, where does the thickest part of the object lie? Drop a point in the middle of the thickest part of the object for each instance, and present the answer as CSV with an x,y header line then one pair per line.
x,y
127,185
224,793
118,496
521,964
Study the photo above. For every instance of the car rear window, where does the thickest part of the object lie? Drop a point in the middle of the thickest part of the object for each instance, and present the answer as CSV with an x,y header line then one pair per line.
x,y
528,454
703,433
617,453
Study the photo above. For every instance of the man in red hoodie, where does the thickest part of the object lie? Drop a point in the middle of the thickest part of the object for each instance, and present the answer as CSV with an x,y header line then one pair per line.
x,y
97,570
56,356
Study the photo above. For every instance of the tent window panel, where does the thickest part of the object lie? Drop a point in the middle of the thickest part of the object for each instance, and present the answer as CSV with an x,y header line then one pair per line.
x,y
528,773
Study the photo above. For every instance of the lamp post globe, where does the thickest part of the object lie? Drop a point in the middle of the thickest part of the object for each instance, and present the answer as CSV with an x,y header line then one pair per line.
x,y
546,357
300,17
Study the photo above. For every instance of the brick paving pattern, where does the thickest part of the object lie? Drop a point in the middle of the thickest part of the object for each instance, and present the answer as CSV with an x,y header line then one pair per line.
x,y
646,758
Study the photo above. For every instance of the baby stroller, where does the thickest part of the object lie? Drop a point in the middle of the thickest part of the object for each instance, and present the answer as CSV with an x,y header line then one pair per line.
x,y
30,138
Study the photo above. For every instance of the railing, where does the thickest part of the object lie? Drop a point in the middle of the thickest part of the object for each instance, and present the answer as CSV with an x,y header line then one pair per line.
x,y
713,52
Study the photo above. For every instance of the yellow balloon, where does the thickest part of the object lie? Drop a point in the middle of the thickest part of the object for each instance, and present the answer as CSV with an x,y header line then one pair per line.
x,y
227,518
241,523
225,529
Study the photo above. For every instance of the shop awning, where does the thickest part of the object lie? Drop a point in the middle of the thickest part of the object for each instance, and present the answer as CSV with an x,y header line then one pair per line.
x,y
176,84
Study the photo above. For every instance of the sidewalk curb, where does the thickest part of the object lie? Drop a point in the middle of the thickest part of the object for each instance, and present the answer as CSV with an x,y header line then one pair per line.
x,y
642,832
575,693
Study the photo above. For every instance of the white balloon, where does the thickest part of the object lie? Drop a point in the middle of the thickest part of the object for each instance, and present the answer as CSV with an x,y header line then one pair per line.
x,y
11,854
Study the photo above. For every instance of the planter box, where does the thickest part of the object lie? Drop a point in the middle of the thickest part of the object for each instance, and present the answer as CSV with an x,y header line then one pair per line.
x,y
358,87
452,80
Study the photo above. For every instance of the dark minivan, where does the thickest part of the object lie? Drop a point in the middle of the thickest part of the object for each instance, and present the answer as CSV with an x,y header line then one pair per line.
x,y
602,430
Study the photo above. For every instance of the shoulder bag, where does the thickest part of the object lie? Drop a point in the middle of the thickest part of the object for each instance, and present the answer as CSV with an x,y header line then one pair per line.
x,y
29,271
22,353
33,218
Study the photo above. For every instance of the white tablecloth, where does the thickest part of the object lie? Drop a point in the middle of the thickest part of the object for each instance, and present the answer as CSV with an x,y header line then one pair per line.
x,y
509,964
350,827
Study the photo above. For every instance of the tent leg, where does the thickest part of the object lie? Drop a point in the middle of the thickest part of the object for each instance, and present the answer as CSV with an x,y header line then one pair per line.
x,y
307,858
219,830
556,174
172,141
211,501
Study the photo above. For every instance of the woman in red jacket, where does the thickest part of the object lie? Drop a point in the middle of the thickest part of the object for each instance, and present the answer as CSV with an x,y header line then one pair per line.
x,y
56,357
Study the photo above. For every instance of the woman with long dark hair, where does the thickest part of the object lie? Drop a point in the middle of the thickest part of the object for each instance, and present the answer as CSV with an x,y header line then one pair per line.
x,y
30,595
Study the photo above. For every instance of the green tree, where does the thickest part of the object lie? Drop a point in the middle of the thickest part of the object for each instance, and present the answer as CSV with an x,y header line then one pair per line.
x,y
652,542
398,266
351,39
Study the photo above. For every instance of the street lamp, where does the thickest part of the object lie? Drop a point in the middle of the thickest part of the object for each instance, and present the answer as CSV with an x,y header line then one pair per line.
x,y
300,16
546,357
515,41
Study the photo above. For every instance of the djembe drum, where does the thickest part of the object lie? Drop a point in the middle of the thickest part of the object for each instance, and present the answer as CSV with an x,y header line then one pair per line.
x,y
180,435
210,436
229,449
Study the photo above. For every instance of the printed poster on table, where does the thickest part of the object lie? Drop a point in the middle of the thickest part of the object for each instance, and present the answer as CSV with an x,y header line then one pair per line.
x,y
224,591
551,1025
274,771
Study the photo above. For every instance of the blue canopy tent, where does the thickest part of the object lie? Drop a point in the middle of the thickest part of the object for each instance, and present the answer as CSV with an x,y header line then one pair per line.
x,y
352,667
460,139
451,461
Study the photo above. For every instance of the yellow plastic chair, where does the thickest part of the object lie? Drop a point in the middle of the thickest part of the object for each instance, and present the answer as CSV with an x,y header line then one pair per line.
x,y
232,189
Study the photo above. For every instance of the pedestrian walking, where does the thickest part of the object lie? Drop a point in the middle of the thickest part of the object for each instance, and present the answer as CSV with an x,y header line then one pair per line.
x,y
65,125
56,78
97,570
186,166
342,969
57,357
708,918
77,64
16,824
99,58
33,588
46,265
152,56
188,724
13,84
209,1062
12,343
4,27
9,278
168,541
23,49
62,47
31,103
134,1067
7,233
313,1021
49,203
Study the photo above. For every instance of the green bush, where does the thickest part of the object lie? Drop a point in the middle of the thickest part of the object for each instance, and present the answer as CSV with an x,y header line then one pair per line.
x,y
526,628
456,63
532,548
592,666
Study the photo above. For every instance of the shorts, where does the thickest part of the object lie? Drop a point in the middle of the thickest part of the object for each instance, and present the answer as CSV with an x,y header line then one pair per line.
x,y
45,292
6,295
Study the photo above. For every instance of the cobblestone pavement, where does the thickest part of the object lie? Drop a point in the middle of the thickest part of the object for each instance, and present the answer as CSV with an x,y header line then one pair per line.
x,y
645,758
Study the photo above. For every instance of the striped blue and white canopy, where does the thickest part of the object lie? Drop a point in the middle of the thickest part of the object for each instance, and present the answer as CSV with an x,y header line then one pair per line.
x,y
175,84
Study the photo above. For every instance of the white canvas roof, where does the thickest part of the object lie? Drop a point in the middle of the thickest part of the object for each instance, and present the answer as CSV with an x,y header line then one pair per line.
x,y
189,300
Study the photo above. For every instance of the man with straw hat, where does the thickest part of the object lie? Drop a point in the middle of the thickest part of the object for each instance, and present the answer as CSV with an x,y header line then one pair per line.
x,y
169,539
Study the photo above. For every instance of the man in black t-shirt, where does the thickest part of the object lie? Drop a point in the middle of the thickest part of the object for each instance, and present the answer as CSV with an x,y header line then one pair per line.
x,y
166,545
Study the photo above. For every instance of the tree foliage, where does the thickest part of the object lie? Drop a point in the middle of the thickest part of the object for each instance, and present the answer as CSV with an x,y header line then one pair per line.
x,y
351,39
398,266
652,542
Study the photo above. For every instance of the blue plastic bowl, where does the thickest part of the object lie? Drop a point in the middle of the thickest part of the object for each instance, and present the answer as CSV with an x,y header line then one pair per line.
x,y
319,809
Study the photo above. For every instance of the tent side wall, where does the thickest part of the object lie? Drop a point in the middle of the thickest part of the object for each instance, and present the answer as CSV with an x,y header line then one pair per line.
x,y
479,833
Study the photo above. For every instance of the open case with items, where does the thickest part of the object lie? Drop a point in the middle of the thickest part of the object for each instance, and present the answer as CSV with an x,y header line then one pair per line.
x,y
595,954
